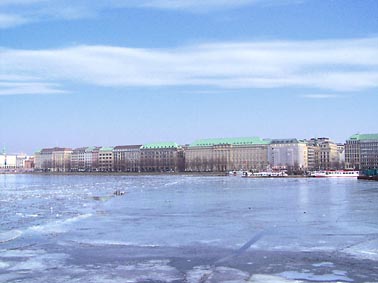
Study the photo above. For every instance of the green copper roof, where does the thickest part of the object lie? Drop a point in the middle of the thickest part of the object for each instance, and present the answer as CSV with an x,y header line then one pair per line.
x,y
106,149
160,145
91,148
362,137
283,141
231,141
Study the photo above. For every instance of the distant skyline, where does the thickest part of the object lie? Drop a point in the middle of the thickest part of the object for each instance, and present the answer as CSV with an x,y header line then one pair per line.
x,y
82,73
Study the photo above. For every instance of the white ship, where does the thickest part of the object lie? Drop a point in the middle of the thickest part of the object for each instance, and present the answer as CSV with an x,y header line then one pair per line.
x,y
265,174
335,173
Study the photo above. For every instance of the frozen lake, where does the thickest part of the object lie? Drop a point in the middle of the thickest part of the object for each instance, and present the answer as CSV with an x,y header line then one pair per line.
x,y
187,229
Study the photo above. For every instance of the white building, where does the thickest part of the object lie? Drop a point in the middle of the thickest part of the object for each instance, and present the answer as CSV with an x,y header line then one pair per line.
x,y
12,161
288,154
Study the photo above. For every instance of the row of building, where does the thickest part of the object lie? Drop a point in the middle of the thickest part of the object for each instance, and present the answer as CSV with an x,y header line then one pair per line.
x,y
216,155
9,162
360,152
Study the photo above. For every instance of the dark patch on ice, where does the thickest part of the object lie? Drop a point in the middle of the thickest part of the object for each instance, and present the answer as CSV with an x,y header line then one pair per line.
x,y
106,259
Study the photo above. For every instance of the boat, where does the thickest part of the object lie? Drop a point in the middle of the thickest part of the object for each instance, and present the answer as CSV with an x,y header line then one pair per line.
x,y
268,174
335,173
236,173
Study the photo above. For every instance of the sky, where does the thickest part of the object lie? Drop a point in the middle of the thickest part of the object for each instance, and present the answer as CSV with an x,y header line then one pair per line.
x,y
112,72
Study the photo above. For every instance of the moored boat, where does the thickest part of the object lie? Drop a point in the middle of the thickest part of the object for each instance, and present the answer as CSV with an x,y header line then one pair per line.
x,y
335,173
268,174
236,173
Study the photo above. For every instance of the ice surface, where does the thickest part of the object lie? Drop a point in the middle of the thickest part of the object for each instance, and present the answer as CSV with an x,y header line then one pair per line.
x,y
367,249
315,277
157,270
263,278
3,265
9,235
50,227
58,226
208,274
322,264
40,262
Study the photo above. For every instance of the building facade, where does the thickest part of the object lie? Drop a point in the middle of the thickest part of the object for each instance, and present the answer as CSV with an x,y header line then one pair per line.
x,y
162,157
53,159
341,152
29,164
12,161
361,152
329,154
313,156
105,159
43,160
8,162
61,158
78,159
127,158
288,154
227,154
91,158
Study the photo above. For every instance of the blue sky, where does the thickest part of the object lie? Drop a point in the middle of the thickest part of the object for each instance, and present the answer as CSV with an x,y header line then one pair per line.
x,y
80,73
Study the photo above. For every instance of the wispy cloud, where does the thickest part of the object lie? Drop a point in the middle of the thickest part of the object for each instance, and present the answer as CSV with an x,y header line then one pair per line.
x,y
19,12
200,5
196,4
22,88
321,96
337,65
10,20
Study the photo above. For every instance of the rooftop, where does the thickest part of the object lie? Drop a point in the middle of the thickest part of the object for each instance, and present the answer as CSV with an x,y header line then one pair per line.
x,y
160,145
54,149
120,147
106,148
79,149
92,148
229,141
285,141
363,137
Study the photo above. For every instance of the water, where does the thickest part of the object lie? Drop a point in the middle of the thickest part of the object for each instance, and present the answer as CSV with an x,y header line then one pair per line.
x,y
187,229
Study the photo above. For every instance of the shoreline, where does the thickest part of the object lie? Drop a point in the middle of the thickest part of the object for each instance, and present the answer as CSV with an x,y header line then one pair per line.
x,y
210,174
193,174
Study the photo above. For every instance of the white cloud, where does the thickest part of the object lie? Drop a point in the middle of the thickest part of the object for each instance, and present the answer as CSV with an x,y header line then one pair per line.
x,y
196,4
201,5
321,96
16,88
24,11
338,65
19,2
9,20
